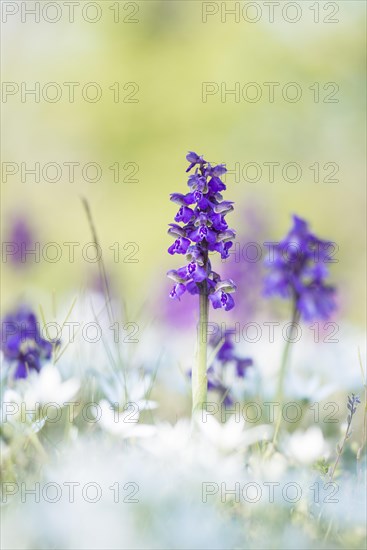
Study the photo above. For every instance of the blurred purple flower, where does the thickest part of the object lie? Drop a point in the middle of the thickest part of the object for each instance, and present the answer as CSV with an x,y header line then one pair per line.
x,y
225,357
20,239
298,271
23,347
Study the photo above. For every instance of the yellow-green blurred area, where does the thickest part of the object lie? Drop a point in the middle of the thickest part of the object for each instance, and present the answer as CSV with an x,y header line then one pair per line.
x,y
161,54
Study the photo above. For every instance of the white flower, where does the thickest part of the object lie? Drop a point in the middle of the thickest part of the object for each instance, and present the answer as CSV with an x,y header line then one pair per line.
x,y
306,446
131,387
171,440
47,387
301,386
124,424
231,435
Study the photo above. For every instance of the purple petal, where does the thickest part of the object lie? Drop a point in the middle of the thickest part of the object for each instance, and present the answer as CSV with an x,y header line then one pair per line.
x,y
185,214
177,291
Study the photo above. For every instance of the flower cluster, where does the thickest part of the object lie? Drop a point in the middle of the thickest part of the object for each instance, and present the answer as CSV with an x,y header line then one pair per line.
x,y
22,344
221,377
298,270
202,212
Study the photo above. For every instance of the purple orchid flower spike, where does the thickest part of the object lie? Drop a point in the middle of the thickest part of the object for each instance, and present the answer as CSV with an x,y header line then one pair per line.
x,y
202,212
204,230
298,270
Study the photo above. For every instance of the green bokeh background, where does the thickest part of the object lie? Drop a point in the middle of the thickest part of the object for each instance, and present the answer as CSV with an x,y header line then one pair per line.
x,y
169,53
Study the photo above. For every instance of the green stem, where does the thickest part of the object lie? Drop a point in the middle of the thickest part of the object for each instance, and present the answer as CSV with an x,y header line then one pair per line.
x,y
283,369
340,449
199,377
